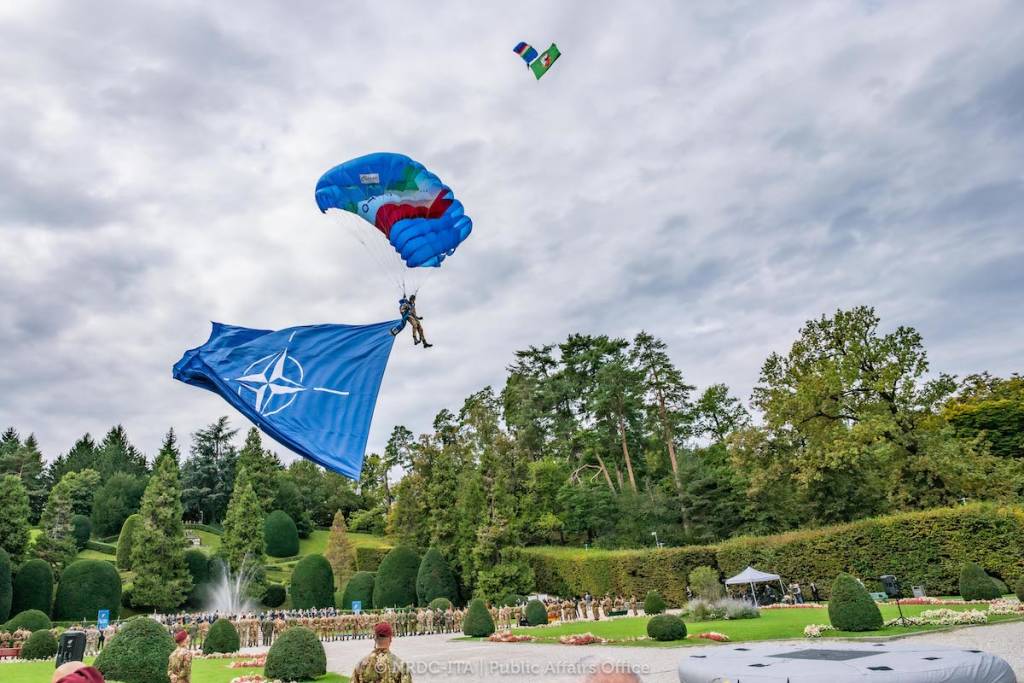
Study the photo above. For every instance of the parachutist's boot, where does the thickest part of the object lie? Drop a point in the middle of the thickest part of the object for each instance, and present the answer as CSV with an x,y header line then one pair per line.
x,y
426,345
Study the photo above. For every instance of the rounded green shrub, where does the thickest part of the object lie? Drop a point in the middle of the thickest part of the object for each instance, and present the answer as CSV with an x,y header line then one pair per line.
x,y
435,578
665,627
705,584
126,595
199,569
81,530
477,622
296,655
536,613
137,653
975,584
395,585
223,637
30,620
850,607
1018,588
124,541
312,583
85,587
653,603
33,587
280,535
40,645
274,596
6,587
440,603
1000,585
359,587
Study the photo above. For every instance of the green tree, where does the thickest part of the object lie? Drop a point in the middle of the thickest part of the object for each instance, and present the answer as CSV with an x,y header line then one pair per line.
x,y
289,498
243,526
262,466
992,408
84,454
117,498
56,543
14,516
340,553
116,454
162,579
281,539
25,461
6,587
208,476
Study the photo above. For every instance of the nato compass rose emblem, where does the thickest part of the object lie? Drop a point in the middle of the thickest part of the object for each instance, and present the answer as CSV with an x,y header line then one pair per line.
x,y
275,381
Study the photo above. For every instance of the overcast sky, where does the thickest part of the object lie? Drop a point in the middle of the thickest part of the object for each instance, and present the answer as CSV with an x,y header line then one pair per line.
x,y
716,173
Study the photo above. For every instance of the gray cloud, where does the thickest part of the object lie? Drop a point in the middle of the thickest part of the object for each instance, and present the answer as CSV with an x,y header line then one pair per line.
x,y
715,175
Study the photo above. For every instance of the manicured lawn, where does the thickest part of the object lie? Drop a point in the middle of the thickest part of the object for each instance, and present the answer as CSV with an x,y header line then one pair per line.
x,y
88,554
203,671
317,542
771,625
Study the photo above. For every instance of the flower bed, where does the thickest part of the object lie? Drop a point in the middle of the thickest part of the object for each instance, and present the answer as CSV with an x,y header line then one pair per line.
x,y
581,639
509,637
815,630
713,635
942,617
802,605
938,601
254,662
1006,607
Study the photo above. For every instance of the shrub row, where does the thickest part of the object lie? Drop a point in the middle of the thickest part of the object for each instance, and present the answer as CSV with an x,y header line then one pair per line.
x,y
100,547
926,548
205,527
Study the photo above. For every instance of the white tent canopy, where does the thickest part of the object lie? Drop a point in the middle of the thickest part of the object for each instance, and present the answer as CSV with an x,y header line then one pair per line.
x,y
751,575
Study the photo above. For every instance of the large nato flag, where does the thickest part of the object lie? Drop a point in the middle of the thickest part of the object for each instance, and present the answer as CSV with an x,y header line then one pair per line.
x,y
311,388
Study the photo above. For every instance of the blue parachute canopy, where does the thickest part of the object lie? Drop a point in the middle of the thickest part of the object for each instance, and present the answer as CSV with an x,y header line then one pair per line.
x,y
409,205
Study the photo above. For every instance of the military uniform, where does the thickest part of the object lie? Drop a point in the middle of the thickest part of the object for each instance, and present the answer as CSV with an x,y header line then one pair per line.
x,y
381,666
179,666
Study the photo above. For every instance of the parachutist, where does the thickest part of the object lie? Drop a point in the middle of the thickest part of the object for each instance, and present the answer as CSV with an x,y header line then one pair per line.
x,y
407,307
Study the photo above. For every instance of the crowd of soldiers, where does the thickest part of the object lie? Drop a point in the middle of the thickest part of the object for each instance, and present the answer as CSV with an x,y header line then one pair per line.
x,y
94,637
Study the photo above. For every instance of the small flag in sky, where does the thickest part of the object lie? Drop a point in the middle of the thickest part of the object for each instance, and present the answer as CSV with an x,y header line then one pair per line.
x,y
541,65
312,388
526,52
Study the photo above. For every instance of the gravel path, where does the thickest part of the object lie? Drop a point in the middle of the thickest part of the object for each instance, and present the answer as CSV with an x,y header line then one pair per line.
x,y
442,658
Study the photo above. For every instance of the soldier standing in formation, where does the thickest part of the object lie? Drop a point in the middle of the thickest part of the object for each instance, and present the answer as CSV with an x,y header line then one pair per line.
x,y
381,665
179,666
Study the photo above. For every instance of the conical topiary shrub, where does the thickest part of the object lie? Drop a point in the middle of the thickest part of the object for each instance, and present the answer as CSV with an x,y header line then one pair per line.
x,y
536,613
653,603
477,622
125,541
975,584
435,579
850,608
280,535
395,584
1018,588
312,583
33,587
223,637
359,588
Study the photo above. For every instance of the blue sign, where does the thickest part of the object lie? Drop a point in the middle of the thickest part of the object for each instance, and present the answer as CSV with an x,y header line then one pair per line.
x,y
103,619
357,606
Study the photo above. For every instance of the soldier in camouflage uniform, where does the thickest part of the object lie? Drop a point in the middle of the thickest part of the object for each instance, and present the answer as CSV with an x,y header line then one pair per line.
x,y
179,666
381,666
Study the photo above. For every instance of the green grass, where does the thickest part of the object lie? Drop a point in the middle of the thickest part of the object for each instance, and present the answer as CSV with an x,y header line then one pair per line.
x,y
772,625
88,554
203,671
317,542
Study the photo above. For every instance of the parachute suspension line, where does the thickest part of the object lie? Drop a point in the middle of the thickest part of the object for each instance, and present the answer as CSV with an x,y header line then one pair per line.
x,y
374,251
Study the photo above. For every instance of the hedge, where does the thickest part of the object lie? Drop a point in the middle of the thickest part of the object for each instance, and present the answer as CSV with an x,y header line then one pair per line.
x,y
312,583
280,535
218,530
30,620
921,548
6,586
85,587
368,559
223,637
40,645
296,655
124,541
395,584
101,547
359,587
435,579
33,587
137,653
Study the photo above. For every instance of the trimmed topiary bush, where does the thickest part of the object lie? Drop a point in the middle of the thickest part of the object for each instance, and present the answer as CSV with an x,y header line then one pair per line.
x,y
665,627
435,579
81,530
223,637
359,587
312,583
85,587
1000,585
199,569
1018,588
280,535
137,653
40,645
6,588
975,584
30,620
477,622
850,607
124,541
395,584
296,655
126,595
653,604
274,596
440,603
33,587
536,613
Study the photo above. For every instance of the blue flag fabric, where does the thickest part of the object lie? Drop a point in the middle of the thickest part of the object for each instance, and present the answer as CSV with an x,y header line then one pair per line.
x,y
311,388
